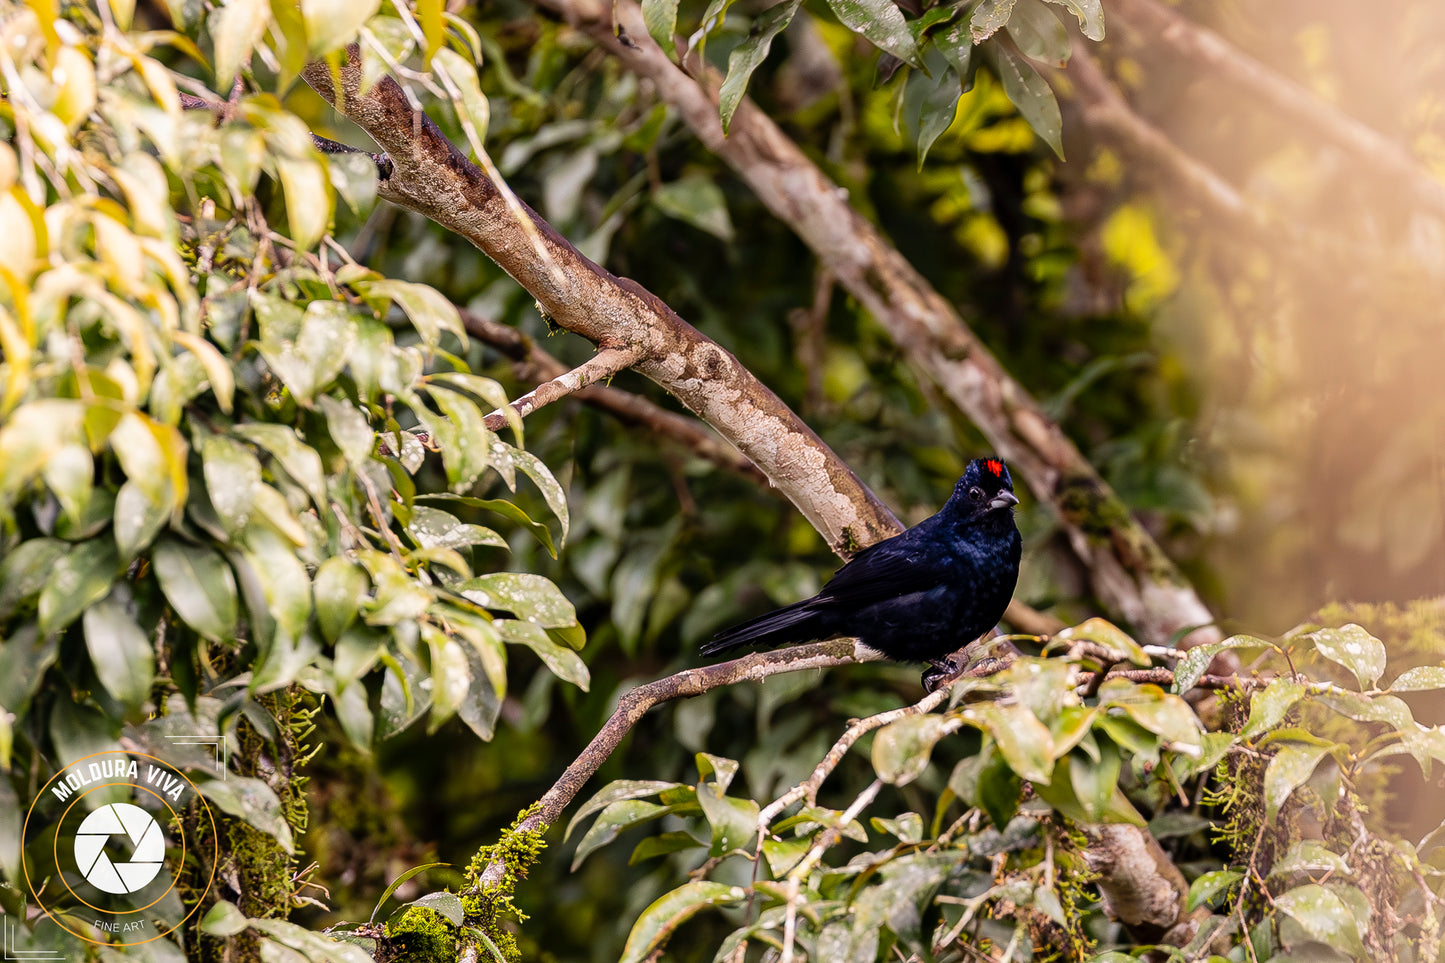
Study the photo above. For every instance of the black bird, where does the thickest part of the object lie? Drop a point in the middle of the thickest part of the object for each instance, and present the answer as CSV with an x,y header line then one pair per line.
x,y
919,596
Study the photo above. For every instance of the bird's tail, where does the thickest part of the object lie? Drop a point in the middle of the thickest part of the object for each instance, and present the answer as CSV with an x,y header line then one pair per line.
x,y
793,623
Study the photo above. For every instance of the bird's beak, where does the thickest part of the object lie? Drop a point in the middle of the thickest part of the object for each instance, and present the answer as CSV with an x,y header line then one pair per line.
x,y
1003,500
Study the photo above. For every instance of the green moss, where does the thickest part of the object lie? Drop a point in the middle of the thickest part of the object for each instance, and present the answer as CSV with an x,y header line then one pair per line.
x,y
1088,505
489,907
420,935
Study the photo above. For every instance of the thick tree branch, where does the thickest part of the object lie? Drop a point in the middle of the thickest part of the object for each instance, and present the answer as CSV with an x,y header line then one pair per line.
x,y
430,176
1129,572
1221,60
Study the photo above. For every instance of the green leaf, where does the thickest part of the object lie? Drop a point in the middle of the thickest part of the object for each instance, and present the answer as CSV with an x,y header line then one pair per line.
x,y
350,430
668,912
450,675
447,904
734,821
1096,782
77,581
331,24
434,528
340,588
1388,709
614,819
308,198
430,313
999,790
1102,632
504,508
316,947
1025,742
616,791
199,585
252,800
235,29
1038,33
233,476
697,199
1420,679
783,854
138,519
285,587
562,661
661,19
486,389
123,658
1323,916
1090,14
1210,885
955,42
1287,771
24,571
881,22
310,363
720,769
353,712
901,749
1355,649
662,845
1189,669
1033,97
532,598
299,459
396,884
223,920
462,436
989,17
1310,856
1267,707
1062,795
462,85
1166,715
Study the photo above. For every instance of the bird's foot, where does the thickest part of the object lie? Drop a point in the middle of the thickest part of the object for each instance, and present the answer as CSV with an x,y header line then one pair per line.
x,y
939,671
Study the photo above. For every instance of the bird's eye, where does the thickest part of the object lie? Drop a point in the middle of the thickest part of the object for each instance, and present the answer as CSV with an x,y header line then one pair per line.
x,y
976,493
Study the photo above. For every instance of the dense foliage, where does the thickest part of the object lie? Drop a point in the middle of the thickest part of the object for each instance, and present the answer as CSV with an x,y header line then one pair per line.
x,y
247,491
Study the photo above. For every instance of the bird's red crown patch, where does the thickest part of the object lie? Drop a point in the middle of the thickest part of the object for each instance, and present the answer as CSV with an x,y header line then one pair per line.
x,y
995,467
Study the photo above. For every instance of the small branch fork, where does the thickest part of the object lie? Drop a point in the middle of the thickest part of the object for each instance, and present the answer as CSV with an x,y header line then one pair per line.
x,y
600,367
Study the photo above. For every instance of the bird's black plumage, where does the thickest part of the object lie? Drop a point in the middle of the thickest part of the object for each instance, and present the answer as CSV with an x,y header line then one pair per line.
x,y
920,595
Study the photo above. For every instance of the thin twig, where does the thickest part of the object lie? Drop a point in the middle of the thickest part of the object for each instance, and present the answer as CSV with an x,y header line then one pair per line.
x,y
601,366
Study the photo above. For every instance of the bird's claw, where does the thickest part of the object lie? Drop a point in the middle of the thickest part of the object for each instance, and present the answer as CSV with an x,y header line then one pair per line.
x,y
938,673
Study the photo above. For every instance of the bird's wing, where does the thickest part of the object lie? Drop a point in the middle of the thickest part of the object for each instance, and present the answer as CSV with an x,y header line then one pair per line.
x,y
883,571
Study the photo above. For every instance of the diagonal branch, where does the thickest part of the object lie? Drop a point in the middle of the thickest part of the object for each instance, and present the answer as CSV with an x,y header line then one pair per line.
x,y
430,176
682,685
1130,573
